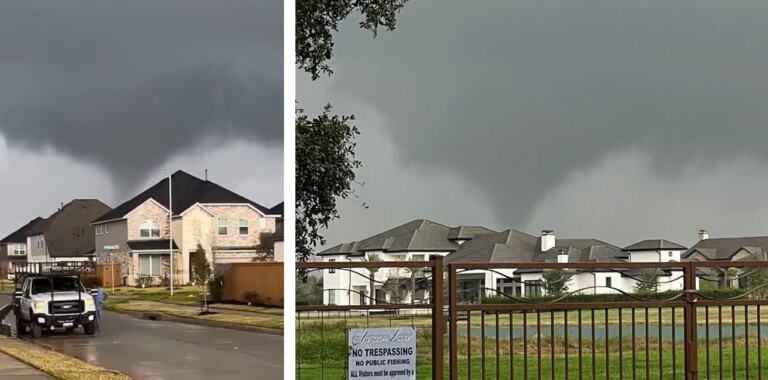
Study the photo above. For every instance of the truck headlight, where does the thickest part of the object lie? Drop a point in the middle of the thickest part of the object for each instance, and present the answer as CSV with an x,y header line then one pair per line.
x,y
89,303
40,306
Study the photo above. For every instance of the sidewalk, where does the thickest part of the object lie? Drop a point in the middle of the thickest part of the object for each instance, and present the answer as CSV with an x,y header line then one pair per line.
x,y
12,369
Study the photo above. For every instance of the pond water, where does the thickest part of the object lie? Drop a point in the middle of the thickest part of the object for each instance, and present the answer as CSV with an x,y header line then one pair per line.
x,y
666,332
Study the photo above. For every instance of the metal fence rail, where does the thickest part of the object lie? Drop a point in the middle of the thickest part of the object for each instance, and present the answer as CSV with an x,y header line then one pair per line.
x,y
707,323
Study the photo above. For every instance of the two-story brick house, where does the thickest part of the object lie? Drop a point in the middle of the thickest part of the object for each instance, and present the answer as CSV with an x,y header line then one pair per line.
x,y
13,248
136,234
66,234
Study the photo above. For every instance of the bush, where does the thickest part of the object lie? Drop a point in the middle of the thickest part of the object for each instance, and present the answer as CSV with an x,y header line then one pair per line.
x,y
216,288
251,297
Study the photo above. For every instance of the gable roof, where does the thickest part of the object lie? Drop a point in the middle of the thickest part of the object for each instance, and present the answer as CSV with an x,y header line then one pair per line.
x,y
726,248
187,190
655,245
418,235
518,247
277,209
20,235
68,232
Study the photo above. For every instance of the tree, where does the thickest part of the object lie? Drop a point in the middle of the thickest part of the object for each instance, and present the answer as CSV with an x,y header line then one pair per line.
x,y
201,268
325,160
648,281
754,280
555,281
265,249
372,258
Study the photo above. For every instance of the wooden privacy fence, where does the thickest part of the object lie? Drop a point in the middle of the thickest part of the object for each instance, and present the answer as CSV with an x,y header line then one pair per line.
x,y
263,279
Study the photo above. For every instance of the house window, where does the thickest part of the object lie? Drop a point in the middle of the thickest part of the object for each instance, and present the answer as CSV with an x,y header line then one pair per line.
x,y
149,265
417,258
533,288
331,271
243,226
106,229
149,229
20,249
331,297
222,226
608,282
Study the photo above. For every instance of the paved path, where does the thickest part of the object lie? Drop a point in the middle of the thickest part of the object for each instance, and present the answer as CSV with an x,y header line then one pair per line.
x,y
158,350
12,369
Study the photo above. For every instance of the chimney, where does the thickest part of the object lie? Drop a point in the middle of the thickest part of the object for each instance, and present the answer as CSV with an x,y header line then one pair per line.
x,y
703,235
547,240
206,174
562,256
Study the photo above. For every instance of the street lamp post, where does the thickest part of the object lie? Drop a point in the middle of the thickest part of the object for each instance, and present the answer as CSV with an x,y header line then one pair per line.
x,y
170,224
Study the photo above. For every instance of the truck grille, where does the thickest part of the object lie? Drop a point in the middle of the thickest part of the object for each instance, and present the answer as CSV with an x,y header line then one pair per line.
x,y
66,307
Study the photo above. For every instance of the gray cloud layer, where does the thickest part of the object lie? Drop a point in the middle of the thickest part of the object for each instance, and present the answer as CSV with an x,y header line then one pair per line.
x,y
128,85
517,96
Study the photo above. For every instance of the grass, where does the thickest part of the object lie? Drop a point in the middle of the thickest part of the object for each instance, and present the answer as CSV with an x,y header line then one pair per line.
x,y
183,296
321,354
55,364
244,320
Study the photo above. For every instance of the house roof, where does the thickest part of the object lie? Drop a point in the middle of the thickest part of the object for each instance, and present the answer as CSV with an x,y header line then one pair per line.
x,y
726,248
513,246
20,235
655,245
277,209
187,190
468,232
417,235
68,232
150,245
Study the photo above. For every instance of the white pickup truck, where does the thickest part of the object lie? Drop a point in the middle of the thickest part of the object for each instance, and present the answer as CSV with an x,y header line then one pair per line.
x,y
53,302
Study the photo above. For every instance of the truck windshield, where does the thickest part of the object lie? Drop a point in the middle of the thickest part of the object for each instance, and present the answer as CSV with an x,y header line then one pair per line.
x,y
58,284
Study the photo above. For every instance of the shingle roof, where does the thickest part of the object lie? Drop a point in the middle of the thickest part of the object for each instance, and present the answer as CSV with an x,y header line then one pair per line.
x,y
67,231
468,232
654,245
277,209
417,235
20,235
187,190
517,247
726,248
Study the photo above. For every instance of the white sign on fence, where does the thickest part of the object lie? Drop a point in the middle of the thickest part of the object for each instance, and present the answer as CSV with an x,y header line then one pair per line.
x,y
382,353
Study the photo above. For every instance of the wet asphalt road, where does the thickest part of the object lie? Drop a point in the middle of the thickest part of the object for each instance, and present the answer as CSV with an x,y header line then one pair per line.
x,y
157,350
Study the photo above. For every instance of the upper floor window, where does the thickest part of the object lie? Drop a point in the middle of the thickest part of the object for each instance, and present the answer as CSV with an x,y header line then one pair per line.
x,y
243,229
20,249
150,229
222,226
102,229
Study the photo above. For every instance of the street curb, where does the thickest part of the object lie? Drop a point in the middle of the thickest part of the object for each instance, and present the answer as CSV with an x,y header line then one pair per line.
x,y
192,321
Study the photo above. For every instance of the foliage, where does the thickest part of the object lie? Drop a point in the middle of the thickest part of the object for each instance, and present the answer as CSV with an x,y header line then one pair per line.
x,y
325,170
318,20
265,249
754,280
216,287
325,159
555,281
648,281
201,267
308,291
251,297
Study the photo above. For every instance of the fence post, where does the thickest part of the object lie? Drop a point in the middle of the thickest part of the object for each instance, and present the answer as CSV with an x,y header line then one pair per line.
x,y
691,327
438,320
453,323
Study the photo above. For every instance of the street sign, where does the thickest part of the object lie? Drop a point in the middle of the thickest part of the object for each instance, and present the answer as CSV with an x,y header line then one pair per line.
x,y
382,353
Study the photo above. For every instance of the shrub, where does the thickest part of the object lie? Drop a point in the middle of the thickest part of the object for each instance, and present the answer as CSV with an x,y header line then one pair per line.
x,y
251,297
216,288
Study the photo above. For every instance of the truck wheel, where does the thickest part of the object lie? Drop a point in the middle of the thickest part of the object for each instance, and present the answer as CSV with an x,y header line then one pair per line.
x,y
90,328
37,331
21,328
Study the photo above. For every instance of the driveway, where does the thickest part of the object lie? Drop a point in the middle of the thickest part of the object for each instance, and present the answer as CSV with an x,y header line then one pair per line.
x,y
157,350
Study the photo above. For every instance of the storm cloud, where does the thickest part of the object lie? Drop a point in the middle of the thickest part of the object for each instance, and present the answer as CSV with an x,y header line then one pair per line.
x,y
524,100
127,85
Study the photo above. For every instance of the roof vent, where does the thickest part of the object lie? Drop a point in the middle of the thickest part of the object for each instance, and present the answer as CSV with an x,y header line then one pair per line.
x,y
547,240
703,235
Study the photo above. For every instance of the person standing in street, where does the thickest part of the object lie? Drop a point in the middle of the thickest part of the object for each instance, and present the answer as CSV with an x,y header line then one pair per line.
x,y
99,297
